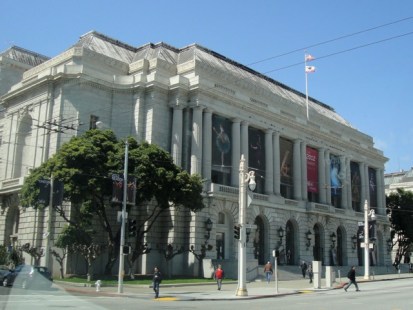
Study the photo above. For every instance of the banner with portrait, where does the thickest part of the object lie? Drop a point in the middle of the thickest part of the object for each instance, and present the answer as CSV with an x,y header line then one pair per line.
x,y
256,156
335,175
373,187
312,170
355,185
286,162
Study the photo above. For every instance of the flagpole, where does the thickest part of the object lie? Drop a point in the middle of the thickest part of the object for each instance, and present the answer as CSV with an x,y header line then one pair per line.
x,y
306,83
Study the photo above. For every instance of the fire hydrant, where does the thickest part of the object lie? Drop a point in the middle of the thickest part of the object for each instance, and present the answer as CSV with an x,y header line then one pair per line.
x,y
98,284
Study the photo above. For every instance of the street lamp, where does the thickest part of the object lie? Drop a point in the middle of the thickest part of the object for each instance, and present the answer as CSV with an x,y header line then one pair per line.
x,y
280,235
367,213
354,242
308,236
122,230
208,227
244,179
333,240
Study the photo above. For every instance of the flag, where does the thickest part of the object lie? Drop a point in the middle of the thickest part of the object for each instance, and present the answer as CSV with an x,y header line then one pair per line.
x,y
309,69
309,57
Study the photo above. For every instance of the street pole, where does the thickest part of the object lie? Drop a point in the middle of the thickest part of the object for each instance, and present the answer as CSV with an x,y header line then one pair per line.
x,y
242,272
367,214
122,229
244,179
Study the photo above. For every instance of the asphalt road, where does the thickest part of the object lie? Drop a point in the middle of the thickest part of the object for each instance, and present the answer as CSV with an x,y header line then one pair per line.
x,y
380,295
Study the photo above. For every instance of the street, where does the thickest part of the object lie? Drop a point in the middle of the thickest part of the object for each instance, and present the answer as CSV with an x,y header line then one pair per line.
x,y
380,295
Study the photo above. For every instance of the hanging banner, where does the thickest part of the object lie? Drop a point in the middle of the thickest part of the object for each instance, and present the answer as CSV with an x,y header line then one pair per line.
x,y
335,173
312,170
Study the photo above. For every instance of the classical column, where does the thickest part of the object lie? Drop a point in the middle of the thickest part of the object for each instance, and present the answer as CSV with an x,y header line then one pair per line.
x,y
344,185
176,138
139,111
297,169
269,170
381,194
322,176
196,144
327,176
304,189
236,151
244,141
277,163
207,145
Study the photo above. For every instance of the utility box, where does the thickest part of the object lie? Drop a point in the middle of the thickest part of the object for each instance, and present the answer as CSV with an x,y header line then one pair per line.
x,y
317,274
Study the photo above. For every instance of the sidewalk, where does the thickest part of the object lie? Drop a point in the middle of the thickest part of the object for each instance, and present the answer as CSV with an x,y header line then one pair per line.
x,y
209,291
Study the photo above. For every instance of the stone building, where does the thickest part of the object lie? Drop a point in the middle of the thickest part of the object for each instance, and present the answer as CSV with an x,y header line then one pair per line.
x,y
313,174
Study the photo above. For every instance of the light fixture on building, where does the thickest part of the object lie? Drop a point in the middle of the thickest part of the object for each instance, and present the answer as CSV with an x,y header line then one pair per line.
x,y
208,227
389,245
308,237
354,242
280,235
248,232
333,238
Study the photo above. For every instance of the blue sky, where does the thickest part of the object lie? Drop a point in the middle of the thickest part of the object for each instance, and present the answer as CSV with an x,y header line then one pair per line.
x,y
366,77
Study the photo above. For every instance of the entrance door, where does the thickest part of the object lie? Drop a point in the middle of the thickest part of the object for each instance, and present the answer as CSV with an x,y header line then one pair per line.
x,y
220,245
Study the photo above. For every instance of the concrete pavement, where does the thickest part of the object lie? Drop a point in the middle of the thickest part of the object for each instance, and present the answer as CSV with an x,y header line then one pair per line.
x,y
195,291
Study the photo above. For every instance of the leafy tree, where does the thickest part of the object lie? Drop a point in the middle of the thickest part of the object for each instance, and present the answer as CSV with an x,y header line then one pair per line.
x,y
400,208
84,165
3,255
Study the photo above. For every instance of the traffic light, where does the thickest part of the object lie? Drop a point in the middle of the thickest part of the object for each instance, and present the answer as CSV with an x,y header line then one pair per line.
x,y
237,234
132,228
126,250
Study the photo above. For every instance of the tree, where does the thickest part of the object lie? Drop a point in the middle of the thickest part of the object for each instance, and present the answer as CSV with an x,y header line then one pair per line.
x,y
85,164
400,209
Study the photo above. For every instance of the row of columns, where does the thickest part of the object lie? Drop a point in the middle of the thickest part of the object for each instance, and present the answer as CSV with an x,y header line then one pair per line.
x,y
201,158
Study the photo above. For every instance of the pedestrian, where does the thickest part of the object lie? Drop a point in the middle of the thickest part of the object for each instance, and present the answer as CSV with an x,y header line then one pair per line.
x,y
310,273
268,271
219,275
157,279
303,268
352,279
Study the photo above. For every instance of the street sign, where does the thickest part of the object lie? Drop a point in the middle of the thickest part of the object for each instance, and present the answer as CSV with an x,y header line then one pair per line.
x,y
362,245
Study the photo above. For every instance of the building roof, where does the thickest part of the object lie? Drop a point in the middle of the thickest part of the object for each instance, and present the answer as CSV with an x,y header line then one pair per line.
x,y
24,56
116,49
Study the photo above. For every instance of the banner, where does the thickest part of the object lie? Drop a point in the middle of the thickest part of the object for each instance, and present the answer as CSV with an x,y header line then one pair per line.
x,y
312,170
117,189
355,185
335,175
373,188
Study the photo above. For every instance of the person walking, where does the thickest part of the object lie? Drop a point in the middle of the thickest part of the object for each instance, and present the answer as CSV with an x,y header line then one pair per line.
x,y
219,275
157,279
268,271
303,268
310,273
352,277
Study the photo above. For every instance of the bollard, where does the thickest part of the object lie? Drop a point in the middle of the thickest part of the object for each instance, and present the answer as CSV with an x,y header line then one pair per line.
x,y
98,284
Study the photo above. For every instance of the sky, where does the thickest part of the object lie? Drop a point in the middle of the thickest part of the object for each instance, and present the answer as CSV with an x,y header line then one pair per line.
x,y
364,68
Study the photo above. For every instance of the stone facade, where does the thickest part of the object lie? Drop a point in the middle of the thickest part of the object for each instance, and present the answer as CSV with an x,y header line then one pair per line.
x,y
313,174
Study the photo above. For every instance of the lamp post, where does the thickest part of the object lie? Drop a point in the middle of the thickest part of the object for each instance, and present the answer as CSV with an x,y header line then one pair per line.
x,y
244,179
367,213
122,229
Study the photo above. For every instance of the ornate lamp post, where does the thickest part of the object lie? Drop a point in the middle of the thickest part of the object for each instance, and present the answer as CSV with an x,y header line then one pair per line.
x,y
244,179
367,213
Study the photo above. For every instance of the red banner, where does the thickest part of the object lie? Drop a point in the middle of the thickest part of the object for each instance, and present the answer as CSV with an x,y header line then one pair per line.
x,y
312,170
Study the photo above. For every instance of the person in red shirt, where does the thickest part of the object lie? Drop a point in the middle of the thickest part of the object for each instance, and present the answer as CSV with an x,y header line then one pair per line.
x,y
219,275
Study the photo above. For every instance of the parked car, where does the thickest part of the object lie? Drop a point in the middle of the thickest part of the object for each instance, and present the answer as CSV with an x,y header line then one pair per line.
x,y
27,276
